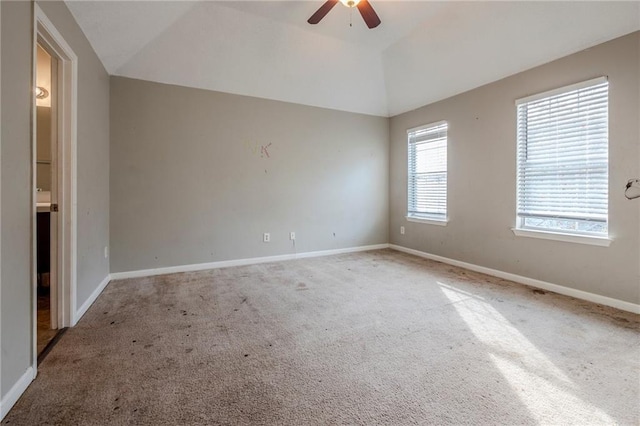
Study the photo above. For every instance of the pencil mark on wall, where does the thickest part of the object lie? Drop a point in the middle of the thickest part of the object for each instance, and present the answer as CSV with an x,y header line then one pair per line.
x,y
265,150
256,148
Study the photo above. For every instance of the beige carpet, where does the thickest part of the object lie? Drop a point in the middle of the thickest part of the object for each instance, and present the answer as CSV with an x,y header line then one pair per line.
x,y
368,338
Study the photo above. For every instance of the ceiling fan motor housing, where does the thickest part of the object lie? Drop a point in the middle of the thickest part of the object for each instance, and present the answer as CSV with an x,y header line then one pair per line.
x,y
350,3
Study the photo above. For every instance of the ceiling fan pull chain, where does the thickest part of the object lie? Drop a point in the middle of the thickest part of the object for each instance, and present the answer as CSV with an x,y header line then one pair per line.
x,y
350,17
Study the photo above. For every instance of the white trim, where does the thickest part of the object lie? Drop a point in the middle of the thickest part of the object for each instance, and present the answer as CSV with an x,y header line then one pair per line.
x,y
567,238
92,298
428,221
567,291
34,198
426,126
1,416
559,90
54,232
239,262
16,391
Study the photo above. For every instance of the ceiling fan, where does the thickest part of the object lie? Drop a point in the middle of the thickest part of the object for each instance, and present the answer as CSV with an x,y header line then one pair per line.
x,y
368,14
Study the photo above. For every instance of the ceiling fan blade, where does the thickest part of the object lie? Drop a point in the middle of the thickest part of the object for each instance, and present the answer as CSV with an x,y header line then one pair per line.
x,y
368,14
321,13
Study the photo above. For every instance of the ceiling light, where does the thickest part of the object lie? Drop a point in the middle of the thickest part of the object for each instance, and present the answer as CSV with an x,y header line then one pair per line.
x,y
350,3
41,92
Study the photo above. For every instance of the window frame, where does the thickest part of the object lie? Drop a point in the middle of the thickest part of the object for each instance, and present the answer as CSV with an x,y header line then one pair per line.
x,y
582,237
431,220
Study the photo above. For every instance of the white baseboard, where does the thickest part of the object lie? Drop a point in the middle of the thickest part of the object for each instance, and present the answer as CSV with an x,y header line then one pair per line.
x,y
567,291
239,262
16,391
87,304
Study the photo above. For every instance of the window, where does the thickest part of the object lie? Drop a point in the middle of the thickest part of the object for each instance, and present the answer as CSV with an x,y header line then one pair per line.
x,y
427,180
563,151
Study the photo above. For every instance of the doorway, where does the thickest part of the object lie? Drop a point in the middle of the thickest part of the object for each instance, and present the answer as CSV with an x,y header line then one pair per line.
x,y
46,199
54,162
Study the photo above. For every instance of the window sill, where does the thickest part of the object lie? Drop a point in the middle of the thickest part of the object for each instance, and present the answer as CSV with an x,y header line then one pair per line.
x,y
568,238
428,221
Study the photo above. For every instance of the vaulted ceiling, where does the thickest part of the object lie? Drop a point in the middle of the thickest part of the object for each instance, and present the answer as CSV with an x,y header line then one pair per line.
x,y
422,52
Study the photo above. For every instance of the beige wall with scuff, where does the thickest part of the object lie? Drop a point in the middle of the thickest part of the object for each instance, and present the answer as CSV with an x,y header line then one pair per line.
x,y
482,177
198,176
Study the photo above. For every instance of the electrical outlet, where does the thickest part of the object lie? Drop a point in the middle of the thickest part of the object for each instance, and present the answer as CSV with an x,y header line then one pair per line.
x,y
106,252
266,237
402,230
292,236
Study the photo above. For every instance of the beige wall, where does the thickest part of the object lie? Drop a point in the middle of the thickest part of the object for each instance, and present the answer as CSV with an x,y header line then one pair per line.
x,y
189,183
43,75
43,121
16,197
482,177
93,153
93,174
43,148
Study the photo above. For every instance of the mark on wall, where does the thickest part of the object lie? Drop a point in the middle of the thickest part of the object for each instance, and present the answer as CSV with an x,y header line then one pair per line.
x,y
255,148
264,150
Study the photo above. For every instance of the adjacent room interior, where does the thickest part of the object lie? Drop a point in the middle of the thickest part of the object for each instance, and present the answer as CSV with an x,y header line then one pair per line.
x,y
46,187
301,212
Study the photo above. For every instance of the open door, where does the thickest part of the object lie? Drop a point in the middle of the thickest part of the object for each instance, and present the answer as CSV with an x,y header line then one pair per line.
x,y
47,187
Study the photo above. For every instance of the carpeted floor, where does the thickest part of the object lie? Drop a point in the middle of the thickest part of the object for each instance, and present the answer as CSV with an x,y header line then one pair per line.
x,y
367,338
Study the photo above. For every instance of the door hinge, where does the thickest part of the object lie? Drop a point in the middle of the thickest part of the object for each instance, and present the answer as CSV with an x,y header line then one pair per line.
x,y
53,208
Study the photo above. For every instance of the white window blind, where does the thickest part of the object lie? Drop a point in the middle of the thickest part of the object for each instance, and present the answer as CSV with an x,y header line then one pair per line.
x,y
427,177
563,160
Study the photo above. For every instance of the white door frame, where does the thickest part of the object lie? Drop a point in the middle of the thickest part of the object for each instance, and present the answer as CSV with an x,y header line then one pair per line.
x,y
1,410
45,33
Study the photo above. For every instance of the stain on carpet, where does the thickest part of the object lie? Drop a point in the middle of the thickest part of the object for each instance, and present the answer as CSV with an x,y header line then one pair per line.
x,y
410,341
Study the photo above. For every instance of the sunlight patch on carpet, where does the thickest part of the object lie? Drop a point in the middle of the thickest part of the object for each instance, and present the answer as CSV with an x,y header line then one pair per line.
x,y
542,387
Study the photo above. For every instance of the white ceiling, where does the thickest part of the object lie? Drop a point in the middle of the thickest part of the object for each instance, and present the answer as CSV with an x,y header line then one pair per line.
x,y
422,52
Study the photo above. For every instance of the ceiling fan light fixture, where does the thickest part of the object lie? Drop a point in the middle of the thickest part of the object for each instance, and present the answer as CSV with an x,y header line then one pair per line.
x,y
350,3
369,15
